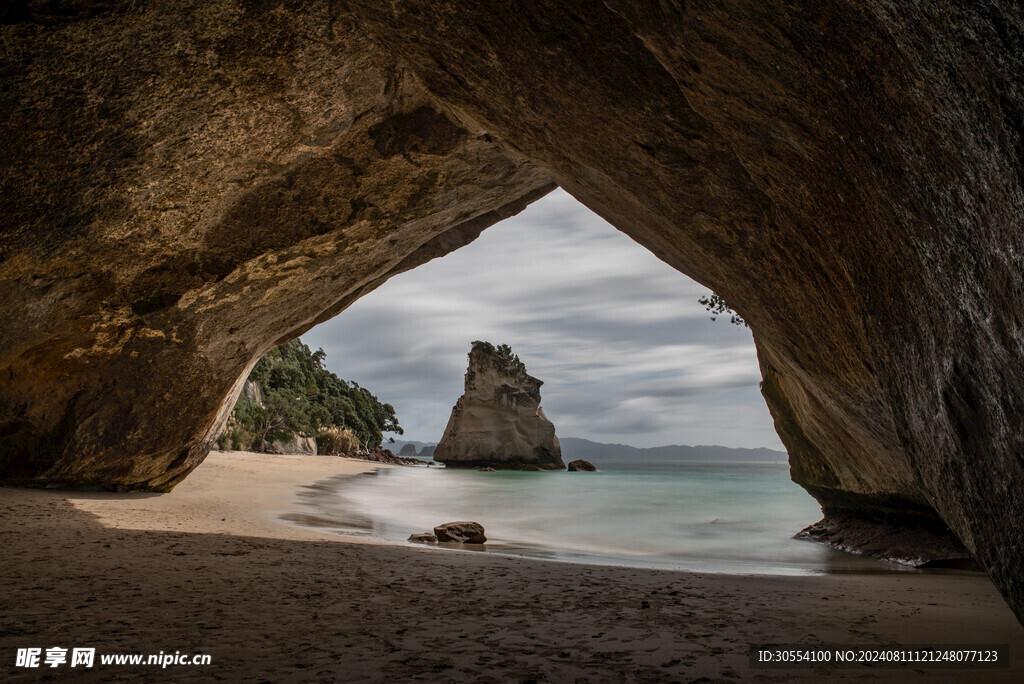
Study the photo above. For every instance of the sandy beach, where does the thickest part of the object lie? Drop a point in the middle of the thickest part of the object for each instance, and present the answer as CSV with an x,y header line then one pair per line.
x,y
210,569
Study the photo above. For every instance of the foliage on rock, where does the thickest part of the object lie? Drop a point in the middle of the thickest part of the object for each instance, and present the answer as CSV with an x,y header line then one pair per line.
x,y
718,306
502,351
302,397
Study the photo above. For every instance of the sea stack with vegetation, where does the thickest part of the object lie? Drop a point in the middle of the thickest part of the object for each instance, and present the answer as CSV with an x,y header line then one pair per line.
x,y
498,421
291,399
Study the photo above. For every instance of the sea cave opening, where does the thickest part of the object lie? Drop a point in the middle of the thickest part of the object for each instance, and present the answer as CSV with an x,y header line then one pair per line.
x,y
638,377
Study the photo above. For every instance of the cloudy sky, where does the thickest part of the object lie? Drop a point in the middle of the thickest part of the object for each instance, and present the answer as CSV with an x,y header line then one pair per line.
x,y
626,353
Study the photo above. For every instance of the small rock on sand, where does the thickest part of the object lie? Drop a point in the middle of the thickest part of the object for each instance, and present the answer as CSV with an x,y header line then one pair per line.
x,y
462,531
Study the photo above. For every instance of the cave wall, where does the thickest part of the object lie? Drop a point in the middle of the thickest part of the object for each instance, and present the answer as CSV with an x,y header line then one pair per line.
x,y
188,184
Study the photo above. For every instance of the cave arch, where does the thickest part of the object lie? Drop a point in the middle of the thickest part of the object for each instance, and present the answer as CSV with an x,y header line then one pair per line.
x,y
185,188
624,347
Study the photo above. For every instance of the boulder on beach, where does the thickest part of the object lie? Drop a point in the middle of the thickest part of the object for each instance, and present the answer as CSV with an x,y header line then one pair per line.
x,y
305,446
464,532
582,466
498,421
423,537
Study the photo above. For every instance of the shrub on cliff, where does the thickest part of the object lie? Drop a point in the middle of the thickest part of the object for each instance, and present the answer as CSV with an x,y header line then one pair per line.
x,y
239,433
718,307
501,351
303,397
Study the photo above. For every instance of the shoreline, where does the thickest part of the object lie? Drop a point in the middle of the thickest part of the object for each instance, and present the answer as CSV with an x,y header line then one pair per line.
x,y
249,491
208,569
327,504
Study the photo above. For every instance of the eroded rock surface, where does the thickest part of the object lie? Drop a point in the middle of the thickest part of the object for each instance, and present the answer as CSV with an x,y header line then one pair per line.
x,y
186,184
498,421
916,545
253,391
298,444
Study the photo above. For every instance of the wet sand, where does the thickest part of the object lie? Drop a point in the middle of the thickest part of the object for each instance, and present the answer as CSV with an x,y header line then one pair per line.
x,y
210,568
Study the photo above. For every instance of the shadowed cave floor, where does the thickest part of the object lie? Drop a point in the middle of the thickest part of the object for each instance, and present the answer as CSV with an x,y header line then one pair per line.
x,y
278,610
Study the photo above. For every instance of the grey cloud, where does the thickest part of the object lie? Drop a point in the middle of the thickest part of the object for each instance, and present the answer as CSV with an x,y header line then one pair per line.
x,y
631,425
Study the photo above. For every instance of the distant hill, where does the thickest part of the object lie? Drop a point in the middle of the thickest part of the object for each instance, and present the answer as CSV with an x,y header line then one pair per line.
x,y
574,447
399,444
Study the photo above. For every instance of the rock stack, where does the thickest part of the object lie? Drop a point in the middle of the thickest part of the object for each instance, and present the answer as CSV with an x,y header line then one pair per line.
x,y
498,422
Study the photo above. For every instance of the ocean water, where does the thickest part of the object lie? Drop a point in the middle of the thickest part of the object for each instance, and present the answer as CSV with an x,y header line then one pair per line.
x,y
711,517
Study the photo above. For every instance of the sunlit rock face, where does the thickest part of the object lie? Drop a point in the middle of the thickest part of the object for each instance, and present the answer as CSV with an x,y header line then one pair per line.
x,y
498,422
186,185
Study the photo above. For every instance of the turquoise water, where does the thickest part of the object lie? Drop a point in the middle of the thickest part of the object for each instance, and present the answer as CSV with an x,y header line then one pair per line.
x,y
713,517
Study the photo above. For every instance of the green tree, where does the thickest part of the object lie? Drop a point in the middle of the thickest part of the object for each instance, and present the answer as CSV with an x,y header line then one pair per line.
x,y
302,397
281,419
503,351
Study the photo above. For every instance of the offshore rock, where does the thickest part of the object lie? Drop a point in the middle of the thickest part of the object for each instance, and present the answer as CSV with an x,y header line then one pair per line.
x,y
498,422
581,465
